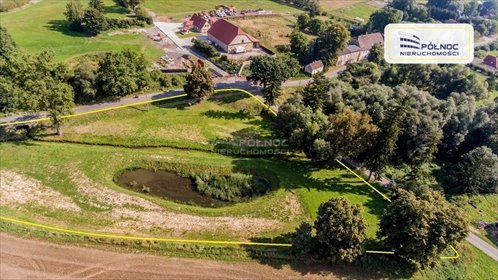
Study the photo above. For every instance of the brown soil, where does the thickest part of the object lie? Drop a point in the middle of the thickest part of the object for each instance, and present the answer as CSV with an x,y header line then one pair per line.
x,y
30,259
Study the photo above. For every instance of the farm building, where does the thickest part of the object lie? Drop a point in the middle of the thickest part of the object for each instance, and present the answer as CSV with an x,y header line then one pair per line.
x,y
314,67
359,48
491,60
231,38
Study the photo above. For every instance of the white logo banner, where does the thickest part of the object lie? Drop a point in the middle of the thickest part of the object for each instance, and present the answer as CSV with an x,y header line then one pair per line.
x,y
429,43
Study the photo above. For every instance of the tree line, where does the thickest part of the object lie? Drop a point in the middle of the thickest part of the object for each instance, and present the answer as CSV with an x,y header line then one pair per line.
x,y
93,20
39,84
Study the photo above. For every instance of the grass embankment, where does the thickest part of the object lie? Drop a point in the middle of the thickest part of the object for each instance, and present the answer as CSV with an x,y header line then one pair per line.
x,y
178,9
43,26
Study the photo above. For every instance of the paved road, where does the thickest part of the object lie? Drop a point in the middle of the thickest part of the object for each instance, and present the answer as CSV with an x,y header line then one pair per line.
x,y
33,259
483,246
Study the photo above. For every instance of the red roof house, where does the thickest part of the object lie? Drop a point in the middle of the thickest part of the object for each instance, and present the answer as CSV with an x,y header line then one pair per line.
x,y
491,60
231,38
201,23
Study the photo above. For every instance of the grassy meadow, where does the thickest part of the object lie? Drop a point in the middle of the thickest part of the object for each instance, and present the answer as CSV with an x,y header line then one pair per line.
x,y
43,26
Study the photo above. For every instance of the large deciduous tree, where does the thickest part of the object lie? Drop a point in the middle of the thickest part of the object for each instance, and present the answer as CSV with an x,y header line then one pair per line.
x,y
340,230
380,18
121,73
300,46
421,228
331,42
199,83
270,73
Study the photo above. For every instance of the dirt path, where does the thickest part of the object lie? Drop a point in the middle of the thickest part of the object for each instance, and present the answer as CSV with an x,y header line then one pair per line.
x,y
30,259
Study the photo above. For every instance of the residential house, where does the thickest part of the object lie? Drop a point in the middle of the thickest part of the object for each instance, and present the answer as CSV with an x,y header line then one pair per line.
x,y
231,38
201,23
314,67
491,60
359,48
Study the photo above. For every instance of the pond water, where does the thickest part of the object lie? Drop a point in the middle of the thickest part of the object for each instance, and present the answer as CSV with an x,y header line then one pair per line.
x,y
166,184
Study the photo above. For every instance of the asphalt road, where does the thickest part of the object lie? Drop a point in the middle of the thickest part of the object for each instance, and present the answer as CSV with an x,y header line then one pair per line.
x,y
483,246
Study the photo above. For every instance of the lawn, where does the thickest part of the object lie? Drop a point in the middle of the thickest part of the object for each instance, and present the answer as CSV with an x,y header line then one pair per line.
x,y
271,31
495,52
178,9
172,124
43,26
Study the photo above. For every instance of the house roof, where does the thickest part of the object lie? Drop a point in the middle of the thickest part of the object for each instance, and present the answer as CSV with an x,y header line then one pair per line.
x,y
491,60
350,49
315,65
198,21
366,42
226,32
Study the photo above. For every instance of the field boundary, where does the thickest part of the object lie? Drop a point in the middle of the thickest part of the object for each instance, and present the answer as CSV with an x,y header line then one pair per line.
x,y
457,255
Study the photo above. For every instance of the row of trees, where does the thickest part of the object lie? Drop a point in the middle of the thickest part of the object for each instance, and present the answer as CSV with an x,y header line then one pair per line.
x,y
93,21
409,221
33,83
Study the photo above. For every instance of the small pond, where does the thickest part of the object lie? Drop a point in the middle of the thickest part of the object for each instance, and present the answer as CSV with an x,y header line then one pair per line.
x,y
166,184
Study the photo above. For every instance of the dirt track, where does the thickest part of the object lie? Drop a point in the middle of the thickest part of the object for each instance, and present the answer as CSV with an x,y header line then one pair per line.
x,y
30,259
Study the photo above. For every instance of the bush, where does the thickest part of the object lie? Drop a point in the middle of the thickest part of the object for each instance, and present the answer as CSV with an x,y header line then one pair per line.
x,y
205,48
302,240
234,187
229,66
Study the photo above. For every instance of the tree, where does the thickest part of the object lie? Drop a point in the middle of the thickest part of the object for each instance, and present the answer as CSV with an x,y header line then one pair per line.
x,y
461,109
84,81
380,18
316,26
491,83
340,230
316,93
131,4
121,73
379,156
199,84
270,73
420,228
74,15
7,43
303,21
97,5
360,74
478,173
349,133
376,54
94,21
330,42
300,46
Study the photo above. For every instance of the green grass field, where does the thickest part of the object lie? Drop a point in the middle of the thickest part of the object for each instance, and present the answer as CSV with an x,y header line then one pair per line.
x,y
43,26
178,9
361,10
172,124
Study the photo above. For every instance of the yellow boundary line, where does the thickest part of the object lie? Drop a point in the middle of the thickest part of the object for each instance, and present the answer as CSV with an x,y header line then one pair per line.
x,y
140,103
457,255
115,236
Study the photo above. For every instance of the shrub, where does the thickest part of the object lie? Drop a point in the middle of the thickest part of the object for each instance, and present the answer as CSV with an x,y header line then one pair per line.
x,y
302,240
234,187
205,48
